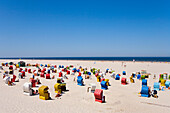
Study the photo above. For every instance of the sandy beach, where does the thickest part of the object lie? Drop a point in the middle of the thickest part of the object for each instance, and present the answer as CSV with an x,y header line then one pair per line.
x,y
119,98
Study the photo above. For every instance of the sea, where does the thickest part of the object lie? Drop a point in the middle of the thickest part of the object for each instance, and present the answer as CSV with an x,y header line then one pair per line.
x,y
149,59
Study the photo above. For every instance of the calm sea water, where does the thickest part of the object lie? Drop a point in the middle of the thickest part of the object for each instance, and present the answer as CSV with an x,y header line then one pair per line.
x,y
155,59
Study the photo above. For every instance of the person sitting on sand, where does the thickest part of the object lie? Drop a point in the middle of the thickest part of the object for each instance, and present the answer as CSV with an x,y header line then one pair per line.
x,y
10,83
53,77
1,67
58,94
154,76
154,94
34,92
65,77
38,81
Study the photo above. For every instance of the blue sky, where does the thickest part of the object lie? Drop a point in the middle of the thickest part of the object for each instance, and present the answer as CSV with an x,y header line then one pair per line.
x,y
70,28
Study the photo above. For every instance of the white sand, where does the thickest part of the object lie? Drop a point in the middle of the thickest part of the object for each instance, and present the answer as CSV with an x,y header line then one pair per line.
x,y
119,98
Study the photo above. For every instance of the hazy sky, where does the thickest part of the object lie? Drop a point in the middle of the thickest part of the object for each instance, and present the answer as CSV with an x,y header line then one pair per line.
x,y
84,28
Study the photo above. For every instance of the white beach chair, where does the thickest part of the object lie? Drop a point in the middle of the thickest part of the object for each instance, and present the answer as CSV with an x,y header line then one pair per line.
x,y
6,79
19,75
104,73
113,75
101,74
92,87
72,73
27,89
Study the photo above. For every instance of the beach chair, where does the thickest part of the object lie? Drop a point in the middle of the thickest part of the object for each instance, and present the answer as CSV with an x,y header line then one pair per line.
x,y
29,71
27,89
11,71
98,94
72,73
107,70
78,70
123,81
103,85
107,82
89,73
134,74
48,71
74,70
94,72
165,76
79,74
11,67
33,82
42,74
104,73
92,87
142,77
63,86
48,76
132,80
68,72
117,77
60,74
101,75
138,76
13,79
59,66
113,74
6,79
43,92
124,73
98,78
163,82
85,72
57,88
23,73
17,65
144,82
156,86
21,64
167,84
145,91
80,81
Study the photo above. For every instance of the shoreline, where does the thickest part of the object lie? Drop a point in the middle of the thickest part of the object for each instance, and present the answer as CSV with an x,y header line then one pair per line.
x,y
87,60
